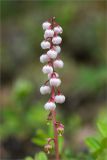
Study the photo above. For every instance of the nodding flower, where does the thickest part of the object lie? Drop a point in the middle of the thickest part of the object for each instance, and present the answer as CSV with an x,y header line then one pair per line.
x,y
55,82
48,148
56,40
45,89
58,63
45,45
59,98
44,58
58,29
46,25
48,33
52,54
47,69
50,105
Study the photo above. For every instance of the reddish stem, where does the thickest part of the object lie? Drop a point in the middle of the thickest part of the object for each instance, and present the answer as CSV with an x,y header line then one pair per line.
x,y
55,129
55,134
54,112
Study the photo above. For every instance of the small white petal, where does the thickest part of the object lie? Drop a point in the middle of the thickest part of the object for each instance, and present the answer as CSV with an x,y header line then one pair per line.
x,y
52,53
58,29
46,25
47,69
45,45
56,40
49,33
50,106
57,49
55,82
45,90
44,58
59,98
58,64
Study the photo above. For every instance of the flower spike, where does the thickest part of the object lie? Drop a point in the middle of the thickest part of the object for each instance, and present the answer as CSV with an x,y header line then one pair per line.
x,y
51,44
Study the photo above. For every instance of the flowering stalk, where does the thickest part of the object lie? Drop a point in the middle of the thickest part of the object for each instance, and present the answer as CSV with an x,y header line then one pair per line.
x,y
51,45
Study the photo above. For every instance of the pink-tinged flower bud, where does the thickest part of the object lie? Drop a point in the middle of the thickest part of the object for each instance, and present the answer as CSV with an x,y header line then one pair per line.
x,y
45,90
48,148
49,33
57,49
47,69
50,106
45,45
55,82
56,40
50,75
58,29
44,58
60,98
60,130
58,64
46,25
52,53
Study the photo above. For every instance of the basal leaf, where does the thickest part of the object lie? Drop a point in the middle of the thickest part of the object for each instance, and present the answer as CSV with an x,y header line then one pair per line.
x,y
41,156
102,128
39,141
28,158
93,144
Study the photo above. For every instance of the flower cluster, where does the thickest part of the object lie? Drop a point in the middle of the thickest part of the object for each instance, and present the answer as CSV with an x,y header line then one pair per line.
x,y
52,49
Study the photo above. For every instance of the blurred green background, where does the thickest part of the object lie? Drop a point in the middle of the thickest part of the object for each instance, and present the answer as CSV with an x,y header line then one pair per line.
x,y
84,77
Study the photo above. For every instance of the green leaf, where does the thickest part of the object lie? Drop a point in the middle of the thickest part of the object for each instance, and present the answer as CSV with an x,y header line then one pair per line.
x,y
40,133
37,110
102,155
61,142
41,156
104,142
40,138
102,128
39,141
28,158
22,89
93,144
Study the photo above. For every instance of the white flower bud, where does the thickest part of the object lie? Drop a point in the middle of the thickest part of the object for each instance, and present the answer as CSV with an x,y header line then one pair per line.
x,y
45,45
57,49
47,69
56,40
52,53
45,90
56,74
58,29
49,33
59,98
46,25
44,58
55,82
50,106
58,64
